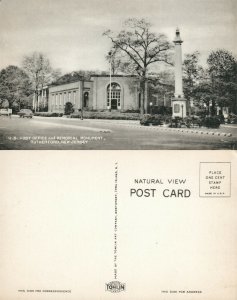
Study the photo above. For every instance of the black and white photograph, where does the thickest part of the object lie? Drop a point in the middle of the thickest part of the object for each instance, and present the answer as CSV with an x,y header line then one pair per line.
x,y
151,78
118,75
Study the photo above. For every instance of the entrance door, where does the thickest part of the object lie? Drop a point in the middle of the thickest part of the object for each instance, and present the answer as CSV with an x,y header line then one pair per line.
x,y
114,94
114,104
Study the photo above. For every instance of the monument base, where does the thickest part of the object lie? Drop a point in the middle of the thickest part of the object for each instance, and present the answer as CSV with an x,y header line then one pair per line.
x,y
179,107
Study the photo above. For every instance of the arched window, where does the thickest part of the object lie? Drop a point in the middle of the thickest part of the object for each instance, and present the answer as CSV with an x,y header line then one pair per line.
x,y
114,96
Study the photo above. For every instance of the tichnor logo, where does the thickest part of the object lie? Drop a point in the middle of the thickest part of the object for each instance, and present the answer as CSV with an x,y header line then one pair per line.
x,y
115,287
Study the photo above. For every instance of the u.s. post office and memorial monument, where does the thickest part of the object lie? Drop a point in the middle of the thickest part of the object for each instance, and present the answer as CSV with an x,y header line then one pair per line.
x,y
130,106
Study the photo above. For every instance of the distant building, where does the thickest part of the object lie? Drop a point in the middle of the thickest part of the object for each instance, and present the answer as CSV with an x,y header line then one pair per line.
x,y
95,94
42,103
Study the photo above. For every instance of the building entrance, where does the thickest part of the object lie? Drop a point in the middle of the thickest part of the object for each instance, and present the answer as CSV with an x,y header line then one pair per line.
x,y
114,104
115,95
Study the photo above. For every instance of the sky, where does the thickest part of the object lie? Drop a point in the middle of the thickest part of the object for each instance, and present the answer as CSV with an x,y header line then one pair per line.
x,y
69,32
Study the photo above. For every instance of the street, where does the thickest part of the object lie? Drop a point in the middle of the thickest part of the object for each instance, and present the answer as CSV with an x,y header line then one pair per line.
x,y
42,133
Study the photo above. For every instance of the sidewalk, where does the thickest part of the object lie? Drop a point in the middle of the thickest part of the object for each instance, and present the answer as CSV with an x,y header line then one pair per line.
x,y
229,126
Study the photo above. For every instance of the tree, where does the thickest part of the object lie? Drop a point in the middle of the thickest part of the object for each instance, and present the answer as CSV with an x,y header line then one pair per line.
x,y
76,76
141,48
117,60
15,87
204,94
40,72
161,89
192,73
214,86
67,78
222,69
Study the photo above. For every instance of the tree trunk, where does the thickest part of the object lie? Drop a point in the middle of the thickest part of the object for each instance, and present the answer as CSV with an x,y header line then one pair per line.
x,y
33,104
145,90
145,95
141,97
37,102
235,107
142,103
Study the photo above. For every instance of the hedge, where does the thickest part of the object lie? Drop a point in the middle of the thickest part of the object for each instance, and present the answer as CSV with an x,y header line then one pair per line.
x,y
211,122
48,114
156,119
107,115
94,115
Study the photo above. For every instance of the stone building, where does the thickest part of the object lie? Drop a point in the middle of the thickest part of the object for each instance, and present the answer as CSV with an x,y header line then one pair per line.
x,y
95,94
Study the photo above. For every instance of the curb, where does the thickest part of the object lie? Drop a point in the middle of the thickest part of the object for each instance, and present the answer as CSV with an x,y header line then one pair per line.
x,y
201,132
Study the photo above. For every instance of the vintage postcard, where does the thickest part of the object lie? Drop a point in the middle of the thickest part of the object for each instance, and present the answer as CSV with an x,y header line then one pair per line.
x,y
118,75
156,79
133,225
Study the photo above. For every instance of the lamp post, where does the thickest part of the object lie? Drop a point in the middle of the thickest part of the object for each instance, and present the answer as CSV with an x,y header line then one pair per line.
x,y
210,108
151,107
205,108
110,78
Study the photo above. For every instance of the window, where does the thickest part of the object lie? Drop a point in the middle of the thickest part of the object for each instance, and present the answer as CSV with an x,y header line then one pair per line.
x,y
139,100
56,101
65,98
53,100
114,96
74,97
60,99
69,97
86,99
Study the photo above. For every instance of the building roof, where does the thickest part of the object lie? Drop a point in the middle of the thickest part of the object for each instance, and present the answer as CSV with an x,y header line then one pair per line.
x,y
117,75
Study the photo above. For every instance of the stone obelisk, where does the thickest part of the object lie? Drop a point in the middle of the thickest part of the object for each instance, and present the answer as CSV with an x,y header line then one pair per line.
x,y
179,103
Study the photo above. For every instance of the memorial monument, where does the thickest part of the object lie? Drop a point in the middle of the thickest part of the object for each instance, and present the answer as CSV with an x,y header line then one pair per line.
x,y
179,103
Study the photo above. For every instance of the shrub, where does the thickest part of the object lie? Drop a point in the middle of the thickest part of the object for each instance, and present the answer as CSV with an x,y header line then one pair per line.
x,y
232,119
211,122
48,114
167,119
148,119
192,121
176,122
130,111
68,108
221,118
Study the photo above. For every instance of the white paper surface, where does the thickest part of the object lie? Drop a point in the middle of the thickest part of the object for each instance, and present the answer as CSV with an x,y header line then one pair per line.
x,y
58,224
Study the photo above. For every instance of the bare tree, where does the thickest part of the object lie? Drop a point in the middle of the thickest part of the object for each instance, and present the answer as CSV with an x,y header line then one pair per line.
x,y
141,48
40,72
